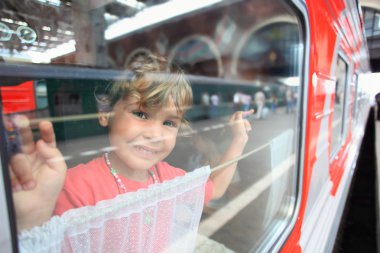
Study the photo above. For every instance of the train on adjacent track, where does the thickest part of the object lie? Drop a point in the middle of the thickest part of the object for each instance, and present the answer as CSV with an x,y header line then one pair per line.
x,y
298,64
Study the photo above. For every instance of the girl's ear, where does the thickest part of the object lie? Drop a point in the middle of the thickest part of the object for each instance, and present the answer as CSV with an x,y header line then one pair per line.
x,y
103,118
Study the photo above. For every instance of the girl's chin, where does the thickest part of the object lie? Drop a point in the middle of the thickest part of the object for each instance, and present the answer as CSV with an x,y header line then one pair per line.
x,y
137,163
142,164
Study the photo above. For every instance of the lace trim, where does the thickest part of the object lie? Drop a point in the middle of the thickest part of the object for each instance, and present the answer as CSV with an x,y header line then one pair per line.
x,y
41,236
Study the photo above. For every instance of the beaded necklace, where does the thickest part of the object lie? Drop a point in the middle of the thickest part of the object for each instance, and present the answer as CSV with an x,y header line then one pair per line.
x,y
120,185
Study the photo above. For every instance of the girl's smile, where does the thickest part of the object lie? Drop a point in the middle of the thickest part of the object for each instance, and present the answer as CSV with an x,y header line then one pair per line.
x,y
146,152
141,137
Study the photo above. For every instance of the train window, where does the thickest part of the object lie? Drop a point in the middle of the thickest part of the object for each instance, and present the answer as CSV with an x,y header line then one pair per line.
x,y
339,105
376,27
354,98
235,55
41,95
371,21
368,21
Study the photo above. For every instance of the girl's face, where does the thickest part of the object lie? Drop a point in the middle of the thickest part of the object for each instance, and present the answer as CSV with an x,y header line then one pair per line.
x,y
142,136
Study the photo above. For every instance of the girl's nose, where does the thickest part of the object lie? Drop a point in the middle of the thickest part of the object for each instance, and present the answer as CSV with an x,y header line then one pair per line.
x,y
153,131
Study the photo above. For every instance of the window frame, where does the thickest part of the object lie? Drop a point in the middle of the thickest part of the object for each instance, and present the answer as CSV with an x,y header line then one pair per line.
x,y
302,14
354,118
343,129
8,236
347,100
281,234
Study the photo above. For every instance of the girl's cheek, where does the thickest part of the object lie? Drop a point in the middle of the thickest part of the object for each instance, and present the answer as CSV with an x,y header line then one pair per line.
x,y
173,131
171,134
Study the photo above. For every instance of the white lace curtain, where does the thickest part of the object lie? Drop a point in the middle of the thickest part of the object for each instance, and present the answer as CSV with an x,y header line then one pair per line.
x,y
162,218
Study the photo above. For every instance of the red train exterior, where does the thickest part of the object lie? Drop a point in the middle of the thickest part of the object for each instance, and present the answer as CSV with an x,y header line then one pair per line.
x,y
333,30
20,98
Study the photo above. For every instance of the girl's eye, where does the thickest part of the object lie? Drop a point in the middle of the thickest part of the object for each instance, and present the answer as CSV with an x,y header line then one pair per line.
x,y
140,114
170,123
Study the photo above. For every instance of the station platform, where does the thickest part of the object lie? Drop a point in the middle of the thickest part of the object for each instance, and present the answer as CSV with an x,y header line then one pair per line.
x,y
360,226
377,150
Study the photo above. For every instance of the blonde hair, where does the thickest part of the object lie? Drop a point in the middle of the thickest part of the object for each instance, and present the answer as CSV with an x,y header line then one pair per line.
x,y
153,83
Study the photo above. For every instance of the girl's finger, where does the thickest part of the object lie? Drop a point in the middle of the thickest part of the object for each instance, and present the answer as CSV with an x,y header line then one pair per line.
x,y
20,167
235,116
247,125
47,133
248,113
52,155
16,186
25,133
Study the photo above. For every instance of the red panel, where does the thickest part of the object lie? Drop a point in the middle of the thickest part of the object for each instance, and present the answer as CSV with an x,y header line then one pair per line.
x,y
323,36
18,98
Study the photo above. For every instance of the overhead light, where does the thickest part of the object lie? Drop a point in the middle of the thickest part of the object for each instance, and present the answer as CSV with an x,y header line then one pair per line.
x,y
155,14
110,18
35,56
21,23
124,8
291,81
7,20
51,2
46,56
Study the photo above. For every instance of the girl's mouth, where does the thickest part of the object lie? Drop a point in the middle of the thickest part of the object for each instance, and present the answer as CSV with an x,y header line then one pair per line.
x,y
146,150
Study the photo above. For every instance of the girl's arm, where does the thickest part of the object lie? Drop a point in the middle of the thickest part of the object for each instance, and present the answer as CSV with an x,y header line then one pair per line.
x,y
240,128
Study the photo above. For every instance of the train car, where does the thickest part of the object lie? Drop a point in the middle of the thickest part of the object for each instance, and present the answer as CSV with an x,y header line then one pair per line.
x,y
298,64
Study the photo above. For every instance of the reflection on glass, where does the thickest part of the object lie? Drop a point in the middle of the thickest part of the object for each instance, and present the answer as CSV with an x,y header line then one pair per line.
x,y
236,56
337,124
371,21
198,55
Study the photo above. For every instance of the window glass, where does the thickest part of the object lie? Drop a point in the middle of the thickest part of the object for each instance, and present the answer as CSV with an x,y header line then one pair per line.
x,y
339,98
368,21
41,94
354,98
236,56
376,25
371,22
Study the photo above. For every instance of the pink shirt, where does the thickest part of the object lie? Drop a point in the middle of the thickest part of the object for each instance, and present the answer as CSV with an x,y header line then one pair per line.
x,y
86,184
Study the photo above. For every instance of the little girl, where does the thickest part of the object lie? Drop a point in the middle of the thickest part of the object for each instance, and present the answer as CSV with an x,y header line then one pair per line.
x,y
143,116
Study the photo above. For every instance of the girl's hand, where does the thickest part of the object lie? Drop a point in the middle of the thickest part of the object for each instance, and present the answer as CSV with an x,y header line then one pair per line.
x,y
240,125
240,128
37,172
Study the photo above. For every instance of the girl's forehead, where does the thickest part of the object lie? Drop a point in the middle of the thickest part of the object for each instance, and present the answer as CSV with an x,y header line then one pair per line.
x,y
168,108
